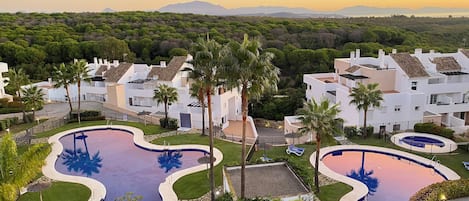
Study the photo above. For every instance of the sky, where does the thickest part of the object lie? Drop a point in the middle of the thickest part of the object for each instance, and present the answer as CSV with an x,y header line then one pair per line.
x,y
145,5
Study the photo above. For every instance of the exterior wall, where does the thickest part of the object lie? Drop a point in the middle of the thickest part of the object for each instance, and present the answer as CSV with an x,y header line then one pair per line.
x,y
385,78
116,95
340,65
436,119
3,68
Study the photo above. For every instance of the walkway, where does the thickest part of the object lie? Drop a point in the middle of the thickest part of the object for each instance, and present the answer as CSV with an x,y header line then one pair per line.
x,y
271,136
235,131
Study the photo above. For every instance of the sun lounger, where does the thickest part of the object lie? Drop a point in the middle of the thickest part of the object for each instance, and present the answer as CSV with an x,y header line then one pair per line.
x,y
466,165
292,149
264,159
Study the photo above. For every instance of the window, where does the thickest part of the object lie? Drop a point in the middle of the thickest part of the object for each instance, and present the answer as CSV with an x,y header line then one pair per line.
x,y
309,87
433,98
397,108
396,127
417,108
414,86
130,101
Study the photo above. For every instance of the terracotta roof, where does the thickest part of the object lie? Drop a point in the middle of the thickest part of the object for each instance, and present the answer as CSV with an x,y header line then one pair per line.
x,y
465,52
410,65
115,74
101,69
168,73
446,64
352,69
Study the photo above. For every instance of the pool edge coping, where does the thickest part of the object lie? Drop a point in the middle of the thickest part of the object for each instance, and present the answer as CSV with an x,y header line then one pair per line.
x,y
446,141
98,190
360,190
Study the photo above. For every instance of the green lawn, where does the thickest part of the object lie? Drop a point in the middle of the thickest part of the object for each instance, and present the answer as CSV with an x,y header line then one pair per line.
x,y
60,191
334,192
195,185
452,160
149,129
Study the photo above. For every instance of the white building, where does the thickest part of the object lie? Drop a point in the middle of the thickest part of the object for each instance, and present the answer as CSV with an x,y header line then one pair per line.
x,y
419,87
4,69
131,86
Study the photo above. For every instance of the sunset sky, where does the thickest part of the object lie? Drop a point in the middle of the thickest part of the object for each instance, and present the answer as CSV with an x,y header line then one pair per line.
x,y
122,5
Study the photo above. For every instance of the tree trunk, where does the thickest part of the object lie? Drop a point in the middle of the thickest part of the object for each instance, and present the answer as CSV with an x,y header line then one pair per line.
x,y
244,110
210,131
203,117
79,100
22,107
34,116
166,113
364,124
316,167
69,101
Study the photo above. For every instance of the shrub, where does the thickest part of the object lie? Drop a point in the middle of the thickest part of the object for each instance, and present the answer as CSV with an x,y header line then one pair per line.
x,y
85,114
369,130
14,104
3,102
434,129
225,197
450,189
172,123
350,131
9,110
89,118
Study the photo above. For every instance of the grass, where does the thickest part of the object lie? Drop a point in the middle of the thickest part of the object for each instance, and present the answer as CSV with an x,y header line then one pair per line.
x,y
195,185
452,160
60,191
149,129
334,192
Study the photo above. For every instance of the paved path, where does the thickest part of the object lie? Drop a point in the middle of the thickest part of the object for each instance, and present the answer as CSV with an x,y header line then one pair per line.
x,y
270,135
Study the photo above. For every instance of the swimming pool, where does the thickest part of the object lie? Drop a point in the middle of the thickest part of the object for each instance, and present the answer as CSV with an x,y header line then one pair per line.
x,y
379,173
423,142
112,162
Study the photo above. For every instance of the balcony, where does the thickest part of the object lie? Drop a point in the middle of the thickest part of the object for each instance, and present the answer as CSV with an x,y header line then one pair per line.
x,y
445,107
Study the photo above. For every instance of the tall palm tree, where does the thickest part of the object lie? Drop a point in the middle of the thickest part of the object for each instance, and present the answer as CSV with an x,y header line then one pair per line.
x,y
206,62
366,97
166,95
33,98
64,77
197,91
246,67
16,170
80,73
17,78
320,118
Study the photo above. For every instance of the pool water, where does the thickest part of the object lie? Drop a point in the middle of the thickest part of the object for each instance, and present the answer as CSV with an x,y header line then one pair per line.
x,y
111,157
420,141
387,177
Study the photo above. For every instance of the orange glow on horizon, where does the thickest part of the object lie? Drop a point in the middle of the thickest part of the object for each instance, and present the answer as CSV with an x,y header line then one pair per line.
x,y
147,5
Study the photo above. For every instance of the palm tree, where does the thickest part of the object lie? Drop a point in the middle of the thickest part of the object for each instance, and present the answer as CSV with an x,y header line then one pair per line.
x,y
17,78
364,97
246,67
320,118
33,98
206,62
16,170
197,91
80,73
63,77
166,95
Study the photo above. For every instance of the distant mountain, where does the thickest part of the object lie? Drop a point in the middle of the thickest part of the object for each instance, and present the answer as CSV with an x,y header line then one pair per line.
x,y
375,11
108,10
205,8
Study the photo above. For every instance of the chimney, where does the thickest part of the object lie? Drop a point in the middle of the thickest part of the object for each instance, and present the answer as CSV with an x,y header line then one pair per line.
x,y
352,58
50,81
394,51
381,55
357,53
105,62
100,61
418,51
432,51
115,63
95,60
162,64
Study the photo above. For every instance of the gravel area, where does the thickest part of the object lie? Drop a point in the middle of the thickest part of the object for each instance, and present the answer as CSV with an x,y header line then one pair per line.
x,y
281,182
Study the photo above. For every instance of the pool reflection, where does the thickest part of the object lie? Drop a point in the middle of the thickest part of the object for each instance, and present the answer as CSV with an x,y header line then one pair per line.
x,y
80,161
365,177
170,159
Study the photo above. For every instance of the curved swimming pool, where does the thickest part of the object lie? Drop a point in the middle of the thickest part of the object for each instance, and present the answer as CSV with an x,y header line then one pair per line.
x,y
111,157
422,141
378,173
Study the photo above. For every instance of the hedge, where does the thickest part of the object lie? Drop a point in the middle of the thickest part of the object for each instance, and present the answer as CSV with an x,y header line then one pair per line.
x,y
449,189
434,129
172,123
85,114
8,122
88,118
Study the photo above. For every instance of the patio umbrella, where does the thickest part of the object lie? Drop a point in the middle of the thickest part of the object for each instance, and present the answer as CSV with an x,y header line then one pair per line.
x,y
39,186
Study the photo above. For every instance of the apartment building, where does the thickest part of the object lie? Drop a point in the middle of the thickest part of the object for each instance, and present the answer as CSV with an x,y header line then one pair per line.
x,y
418,87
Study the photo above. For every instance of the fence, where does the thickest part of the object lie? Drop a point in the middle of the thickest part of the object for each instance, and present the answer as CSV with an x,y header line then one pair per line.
x,y
24,137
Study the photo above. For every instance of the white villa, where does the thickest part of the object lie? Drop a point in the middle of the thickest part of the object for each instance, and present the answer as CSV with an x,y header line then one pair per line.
x,y
131,87
419,87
